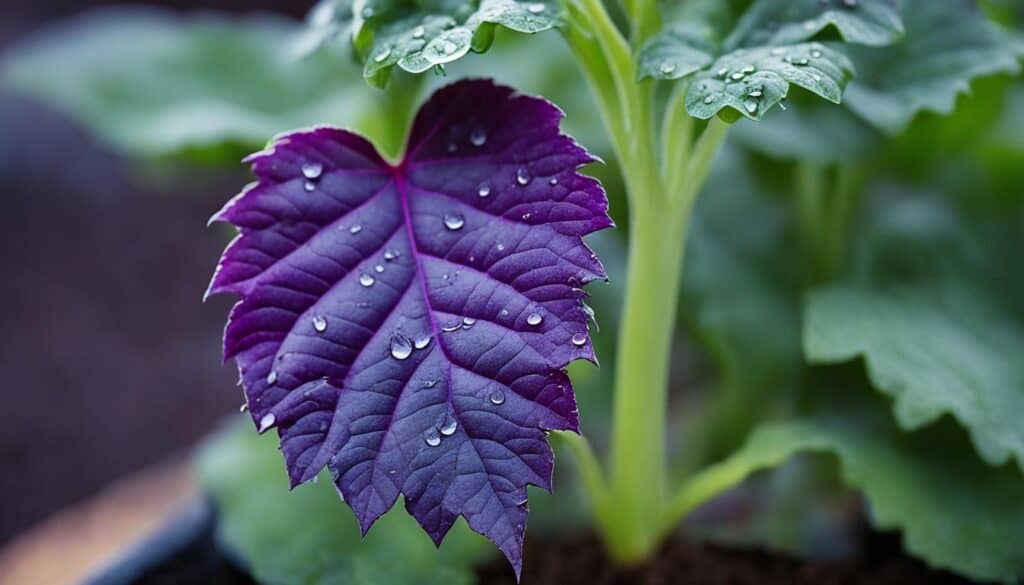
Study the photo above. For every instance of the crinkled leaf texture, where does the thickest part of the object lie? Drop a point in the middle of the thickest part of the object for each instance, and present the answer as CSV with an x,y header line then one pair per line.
x,y
751,70
407,325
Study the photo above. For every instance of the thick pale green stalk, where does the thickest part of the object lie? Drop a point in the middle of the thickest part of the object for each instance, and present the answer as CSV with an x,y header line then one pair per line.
x,y
638,479
631,506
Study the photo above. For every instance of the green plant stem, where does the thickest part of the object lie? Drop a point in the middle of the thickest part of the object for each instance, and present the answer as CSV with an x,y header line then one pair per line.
x,y
631,504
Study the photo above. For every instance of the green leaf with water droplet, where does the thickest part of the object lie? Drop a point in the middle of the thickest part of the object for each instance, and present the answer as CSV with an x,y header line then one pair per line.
x,y
769,49
418,35
752,81
952,511
948,44
304,537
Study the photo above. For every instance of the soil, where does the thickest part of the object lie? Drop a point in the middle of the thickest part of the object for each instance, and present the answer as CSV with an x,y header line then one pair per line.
x,y
581,561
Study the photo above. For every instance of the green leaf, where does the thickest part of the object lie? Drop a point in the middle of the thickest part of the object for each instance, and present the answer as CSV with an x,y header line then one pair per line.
x,y
752,81
417,35
157,83
947,45
780,22
304,537
936,348
751,71
953,512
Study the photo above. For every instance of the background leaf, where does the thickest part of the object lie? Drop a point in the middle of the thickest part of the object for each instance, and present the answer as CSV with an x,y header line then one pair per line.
x,y
937,349
947,45
781,22
157,83
952,511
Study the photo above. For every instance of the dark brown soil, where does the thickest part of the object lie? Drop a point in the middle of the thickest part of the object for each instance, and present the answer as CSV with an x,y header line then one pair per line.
x,y
581,561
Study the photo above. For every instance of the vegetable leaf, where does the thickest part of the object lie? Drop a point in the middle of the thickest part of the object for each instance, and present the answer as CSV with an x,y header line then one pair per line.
x,y
779,22
417,35
752,69
155,83
953,512
936,349
304,537
407,326
947,45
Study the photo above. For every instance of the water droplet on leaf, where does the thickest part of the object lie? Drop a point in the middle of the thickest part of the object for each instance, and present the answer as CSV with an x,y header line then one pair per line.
x,y
401,347
523,176
579,339
267,421
320,323
454,221
497,398
432,438
366,280
534,319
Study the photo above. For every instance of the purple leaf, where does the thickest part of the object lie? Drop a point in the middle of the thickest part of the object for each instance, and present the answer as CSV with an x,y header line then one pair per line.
x,y
407,326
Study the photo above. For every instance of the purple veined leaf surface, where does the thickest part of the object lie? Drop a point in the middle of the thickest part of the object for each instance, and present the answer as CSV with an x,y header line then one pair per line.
x,y
407,325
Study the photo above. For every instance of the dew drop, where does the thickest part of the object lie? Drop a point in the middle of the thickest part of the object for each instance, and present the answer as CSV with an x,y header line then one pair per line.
x,y
737,76
418,32
484,191
553,182
449,426
536,8
244,407
451,328
579,339
453,221
378,268
709,100
501,247
497,398
401,347
429,383
749,69
668,68
272,378
381,56
756,93
468,322
751,107
310,186
523,177
355,229
312,170
504,312
722,72
422,341
366,280
267,421
320,323
816,54
534,319
432,438
478,137
391,255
